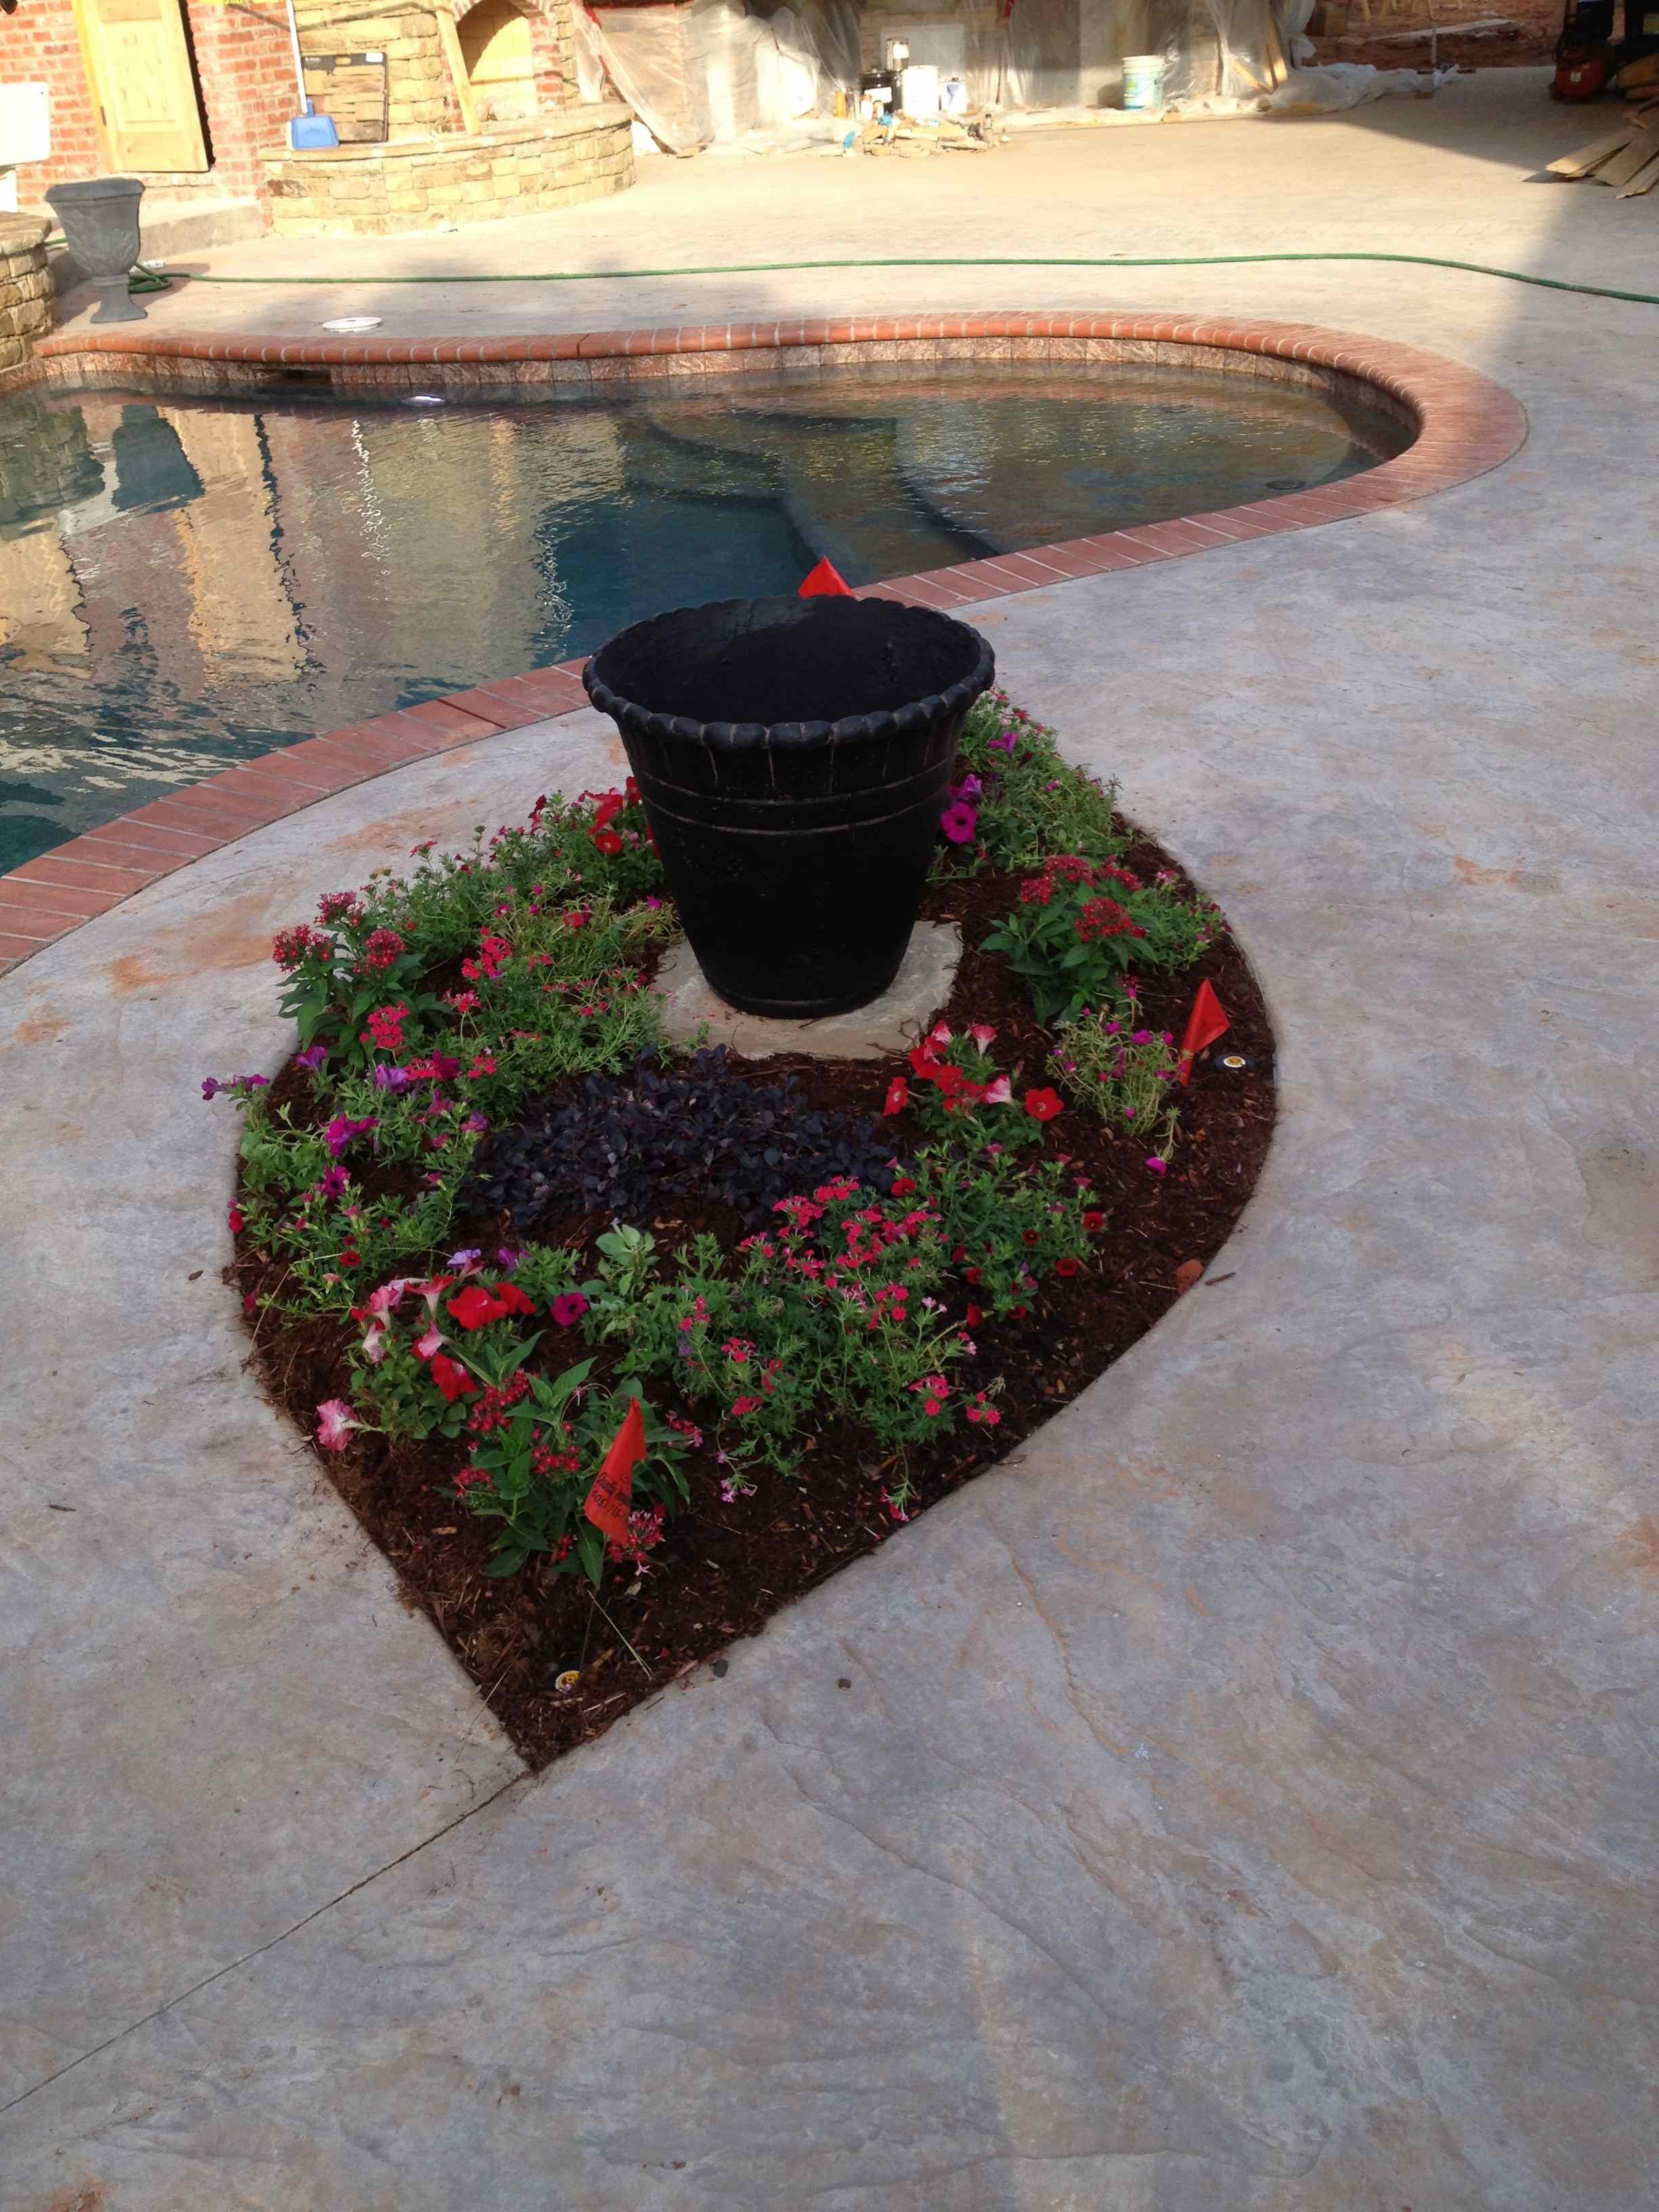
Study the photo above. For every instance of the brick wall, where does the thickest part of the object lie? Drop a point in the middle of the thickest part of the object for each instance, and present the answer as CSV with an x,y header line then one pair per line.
x,y
39,46
244,67
245,70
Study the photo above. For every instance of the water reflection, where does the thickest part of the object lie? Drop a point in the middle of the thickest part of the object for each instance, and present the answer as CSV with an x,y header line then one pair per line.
x,y
186,583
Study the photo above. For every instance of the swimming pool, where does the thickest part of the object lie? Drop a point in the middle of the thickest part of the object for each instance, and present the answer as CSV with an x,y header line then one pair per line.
x,y
185,583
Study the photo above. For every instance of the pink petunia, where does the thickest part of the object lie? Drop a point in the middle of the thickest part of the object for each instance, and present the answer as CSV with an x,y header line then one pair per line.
x,y
335,1422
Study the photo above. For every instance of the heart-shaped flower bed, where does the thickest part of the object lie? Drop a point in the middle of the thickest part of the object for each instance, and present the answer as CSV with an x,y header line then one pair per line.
x,y
615,1348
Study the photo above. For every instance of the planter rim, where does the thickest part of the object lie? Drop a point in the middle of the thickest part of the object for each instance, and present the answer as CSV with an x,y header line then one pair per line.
x,y
95,188
755,737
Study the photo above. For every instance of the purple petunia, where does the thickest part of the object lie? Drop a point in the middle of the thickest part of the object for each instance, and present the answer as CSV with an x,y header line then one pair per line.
x,y
340,1133
959,824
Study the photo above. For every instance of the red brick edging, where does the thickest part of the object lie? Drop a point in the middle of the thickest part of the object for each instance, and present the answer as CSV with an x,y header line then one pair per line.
x,y
1465,424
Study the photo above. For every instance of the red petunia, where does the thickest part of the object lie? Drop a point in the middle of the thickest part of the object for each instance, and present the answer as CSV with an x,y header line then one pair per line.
x,y
1066,1266
1092,1222
1042,1105
475,1306
452,1379
608,843
898,1096
923,1063
234,1221
514,1299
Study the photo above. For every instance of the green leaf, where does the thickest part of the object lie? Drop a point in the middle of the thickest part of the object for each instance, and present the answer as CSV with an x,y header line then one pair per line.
x,y
590,1550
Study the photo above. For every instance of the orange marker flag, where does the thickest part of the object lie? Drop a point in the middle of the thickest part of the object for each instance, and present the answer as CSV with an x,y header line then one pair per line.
x,y
825,582
1206,1022
612,1494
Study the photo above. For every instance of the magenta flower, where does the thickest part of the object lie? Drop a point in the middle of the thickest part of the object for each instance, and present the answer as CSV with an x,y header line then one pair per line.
x,y
568,1308
1159,1166
211,1086
312,1058
335,1422
1005,744
340,1133
959,824
394,1080
333,1183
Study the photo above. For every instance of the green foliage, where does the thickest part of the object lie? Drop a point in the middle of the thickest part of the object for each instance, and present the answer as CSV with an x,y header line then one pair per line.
x,y
1128,1076
539,1445
1008,1227
1079,927
1032,800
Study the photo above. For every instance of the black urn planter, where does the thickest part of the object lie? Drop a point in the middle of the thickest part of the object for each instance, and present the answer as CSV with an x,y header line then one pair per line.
x,y
100,217
793,756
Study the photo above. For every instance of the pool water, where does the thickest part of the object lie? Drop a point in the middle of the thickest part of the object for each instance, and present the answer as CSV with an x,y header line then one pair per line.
x,y
186,583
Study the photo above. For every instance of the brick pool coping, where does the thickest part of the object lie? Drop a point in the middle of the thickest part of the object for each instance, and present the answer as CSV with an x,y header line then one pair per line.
x,y
1464,423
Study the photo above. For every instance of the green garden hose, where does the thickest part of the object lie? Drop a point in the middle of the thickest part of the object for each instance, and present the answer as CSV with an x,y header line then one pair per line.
x,y
964,261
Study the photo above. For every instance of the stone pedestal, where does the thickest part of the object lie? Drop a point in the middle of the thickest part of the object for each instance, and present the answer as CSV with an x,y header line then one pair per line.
x,y
26,288
893,1023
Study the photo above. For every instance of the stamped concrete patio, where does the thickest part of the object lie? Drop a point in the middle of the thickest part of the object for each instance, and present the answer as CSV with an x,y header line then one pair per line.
x,y
1246,1796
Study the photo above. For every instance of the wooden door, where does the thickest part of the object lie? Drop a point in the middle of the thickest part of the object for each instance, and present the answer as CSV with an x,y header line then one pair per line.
x,y
139,68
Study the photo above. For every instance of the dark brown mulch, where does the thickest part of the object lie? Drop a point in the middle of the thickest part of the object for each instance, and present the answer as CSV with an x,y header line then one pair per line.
x,y
725,1570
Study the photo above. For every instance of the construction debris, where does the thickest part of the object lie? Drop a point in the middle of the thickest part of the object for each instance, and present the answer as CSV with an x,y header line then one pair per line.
x,y
1626,158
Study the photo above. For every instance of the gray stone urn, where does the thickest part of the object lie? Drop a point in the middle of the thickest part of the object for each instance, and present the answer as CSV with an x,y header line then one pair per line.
x,y
101,230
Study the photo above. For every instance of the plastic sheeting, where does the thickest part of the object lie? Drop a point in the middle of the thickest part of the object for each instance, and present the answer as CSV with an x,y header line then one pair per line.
x,y
714,74
711,74
1325,91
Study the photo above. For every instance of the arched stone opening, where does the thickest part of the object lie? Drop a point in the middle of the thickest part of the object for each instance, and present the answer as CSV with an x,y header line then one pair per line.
x,y
517,56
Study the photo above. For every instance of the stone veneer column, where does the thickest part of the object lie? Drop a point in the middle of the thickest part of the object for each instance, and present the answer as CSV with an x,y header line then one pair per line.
x,y
26,288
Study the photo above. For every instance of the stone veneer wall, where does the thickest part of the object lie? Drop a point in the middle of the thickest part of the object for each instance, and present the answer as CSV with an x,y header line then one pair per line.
x,y
26,289
413,184
420,91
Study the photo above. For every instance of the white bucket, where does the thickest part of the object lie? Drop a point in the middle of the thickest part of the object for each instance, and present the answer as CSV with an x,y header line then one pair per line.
x,y
919,91
1143,80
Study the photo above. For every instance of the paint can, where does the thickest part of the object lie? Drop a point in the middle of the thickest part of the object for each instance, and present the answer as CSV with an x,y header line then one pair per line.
x,y
1143,82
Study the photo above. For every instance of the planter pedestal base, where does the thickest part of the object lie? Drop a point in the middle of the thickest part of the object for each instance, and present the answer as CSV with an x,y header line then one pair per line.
x,y
891,1024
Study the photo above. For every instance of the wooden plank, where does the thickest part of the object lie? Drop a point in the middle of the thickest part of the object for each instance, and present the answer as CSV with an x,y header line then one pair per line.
x,y
1643,181
1622,166
1591,157
450,39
